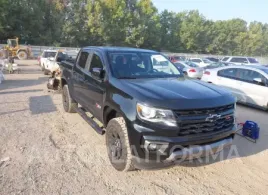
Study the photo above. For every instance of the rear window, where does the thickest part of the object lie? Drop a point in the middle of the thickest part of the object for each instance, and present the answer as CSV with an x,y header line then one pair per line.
x,y
192,64
49,54
252,60
239,60
179,58
83,59
207,61
196,60
225,59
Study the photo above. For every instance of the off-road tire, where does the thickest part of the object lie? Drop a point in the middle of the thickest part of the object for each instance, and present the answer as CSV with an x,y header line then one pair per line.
x,y
69,104
115,130
22,55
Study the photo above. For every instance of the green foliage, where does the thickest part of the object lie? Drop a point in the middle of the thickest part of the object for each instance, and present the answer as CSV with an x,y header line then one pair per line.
x,y
135,23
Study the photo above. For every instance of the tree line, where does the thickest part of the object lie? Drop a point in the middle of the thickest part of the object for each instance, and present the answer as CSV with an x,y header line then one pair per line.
x,y
135,23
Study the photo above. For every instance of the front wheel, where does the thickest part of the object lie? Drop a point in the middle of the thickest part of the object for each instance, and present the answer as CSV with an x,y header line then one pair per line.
x,y
118,147
22,55
69,104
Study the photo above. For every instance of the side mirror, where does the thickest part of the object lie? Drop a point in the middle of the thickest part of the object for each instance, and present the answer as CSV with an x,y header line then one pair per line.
x,y
97,73
258,81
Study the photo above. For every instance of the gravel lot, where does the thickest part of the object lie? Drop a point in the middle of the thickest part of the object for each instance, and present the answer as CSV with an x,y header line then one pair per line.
x,y
46,151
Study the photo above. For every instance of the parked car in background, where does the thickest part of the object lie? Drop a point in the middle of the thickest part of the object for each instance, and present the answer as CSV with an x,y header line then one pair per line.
x,y
249,84
177,58
190,69
201,62
212,59
241,60
224,59
52,63
217,65
44,56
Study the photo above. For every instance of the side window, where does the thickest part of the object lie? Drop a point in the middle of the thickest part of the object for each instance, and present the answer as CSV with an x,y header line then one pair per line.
x,y
239,60
229,73
245,75
83,59
95,62
250,75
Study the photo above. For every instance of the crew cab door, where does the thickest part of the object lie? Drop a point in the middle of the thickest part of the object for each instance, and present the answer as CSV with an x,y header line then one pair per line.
x,y
78,78
256,92
230,79
94,87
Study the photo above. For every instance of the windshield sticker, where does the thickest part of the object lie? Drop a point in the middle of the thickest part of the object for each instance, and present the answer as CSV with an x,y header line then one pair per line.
x,y
159,58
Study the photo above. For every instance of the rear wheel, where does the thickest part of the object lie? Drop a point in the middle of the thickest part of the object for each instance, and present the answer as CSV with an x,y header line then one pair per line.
x,y
69,104
22,55
118,147
3,54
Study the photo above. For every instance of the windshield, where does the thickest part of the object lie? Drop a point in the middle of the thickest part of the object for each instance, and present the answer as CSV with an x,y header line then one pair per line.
x,y
252,60
12,42
134,65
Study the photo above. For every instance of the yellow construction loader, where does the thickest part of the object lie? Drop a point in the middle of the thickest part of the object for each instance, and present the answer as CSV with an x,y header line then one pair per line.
x,y
15,50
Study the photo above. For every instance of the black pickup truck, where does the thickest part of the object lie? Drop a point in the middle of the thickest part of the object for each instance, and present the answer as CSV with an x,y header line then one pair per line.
x,y
150,113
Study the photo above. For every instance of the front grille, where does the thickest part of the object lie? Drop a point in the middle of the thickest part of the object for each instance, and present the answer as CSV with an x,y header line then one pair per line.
x,y
198,121
204,111
187,128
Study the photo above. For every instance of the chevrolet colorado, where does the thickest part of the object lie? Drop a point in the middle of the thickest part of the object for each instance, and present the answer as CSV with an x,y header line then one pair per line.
x,y
150,113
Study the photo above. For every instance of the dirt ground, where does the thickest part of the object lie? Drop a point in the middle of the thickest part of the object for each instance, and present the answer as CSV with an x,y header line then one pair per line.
x,y
44,150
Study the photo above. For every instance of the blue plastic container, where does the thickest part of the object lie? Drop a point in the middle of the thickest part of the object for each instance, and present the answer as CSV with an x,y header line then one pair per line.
x,y
251,130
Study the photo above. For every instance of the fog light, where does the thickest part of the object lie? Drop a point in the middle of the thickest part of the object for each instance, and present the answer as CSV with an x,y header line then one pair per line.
x,y
152,147
155,146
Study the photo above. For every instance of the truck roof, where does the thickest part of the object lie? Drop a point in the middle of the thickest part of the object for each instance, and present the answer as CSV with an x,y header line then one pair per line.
x,y
129,49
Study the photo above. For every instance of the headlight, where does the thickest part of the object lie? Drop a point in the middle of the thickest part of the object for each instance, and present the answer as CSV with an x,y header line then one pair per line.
x,y
155,115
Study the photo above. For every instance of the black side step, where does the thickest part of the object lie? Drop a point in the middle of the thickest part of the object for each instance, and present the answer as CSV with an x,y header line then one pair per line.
x,y
90,121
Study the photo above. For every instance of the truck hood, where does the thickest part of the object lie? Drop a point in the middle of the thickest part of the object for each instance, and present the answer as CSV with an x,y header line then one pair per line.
x,y
178,93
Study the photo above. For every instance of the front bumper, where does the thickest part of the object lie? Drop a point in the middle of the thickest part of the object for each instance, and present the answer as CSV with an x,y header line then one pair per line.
x,y
183,155
200,151
172,148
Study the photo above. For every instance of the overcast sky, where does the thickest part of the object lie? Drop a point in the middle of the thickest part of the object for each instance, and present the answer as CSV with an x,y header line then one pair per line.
x,y
249,10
